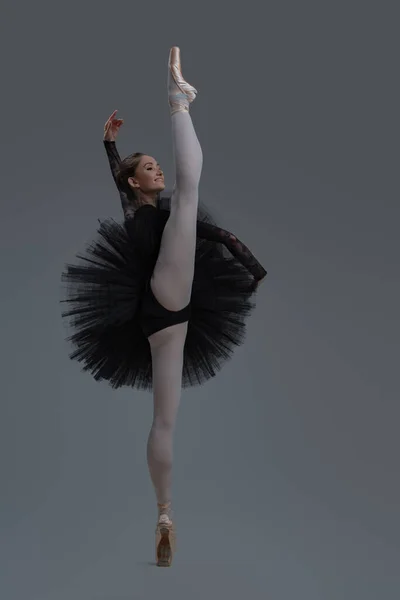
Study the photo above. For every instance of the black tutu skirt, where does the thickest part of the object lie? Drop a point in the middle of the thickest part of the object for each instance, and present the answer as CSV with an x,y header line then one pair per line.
x,y
105,289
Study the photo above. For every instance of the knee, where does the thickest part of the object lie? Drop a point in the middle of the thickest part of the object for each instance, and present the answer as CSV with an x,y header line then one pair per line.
x,y
164,424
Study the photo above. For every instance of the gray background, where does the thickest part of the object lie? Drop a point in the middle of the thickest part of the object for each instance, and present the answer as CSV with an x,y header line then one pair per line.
x,y
286,465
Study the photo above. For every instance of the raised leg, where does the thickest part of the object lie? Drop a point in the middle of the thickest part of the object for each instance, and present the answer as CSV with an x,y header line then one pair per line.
x,y
173,273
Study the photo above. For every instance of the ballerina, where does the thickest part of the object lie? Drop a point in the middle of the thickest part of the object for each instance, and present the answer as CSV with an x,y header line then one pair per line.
x,y
155,302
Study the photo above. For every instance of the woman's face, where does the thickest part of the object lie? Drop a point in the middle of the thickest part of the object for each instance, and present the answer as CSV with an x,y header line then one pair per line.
x,y
149,177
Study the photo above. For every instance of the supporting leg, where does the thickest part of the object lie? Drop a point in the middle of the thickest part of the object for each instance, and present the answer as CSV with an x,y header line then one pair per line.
x,y
167,363
167,358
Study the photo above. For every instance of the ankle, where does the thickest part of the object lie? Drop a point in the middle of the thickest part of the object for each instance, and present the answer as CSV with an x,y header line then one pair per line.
x,y
164,509
178,102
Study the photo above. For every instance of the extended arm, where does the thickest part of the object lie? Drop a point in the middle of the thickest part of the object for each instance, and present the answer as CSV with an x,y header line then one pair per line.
x,y
114,160
236,248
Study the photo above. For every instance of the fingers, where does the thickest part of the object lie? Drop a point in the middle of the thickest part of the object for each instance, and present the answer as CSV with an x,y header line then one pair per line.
x,y
110,118
112,122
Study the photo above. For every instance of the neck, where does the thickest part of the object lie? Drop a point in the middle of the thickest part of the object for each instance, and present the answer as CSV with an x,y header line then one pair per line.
x,y
148,198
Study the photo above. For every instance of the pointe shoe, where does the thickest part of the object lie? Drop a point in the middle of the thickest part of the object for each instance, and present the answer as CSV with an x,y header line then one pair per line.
x,y
165,540
185,93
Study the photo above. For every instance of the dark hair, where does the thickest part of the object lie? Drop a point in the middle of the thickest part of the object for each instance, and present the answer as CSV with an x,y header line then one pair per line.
x,y
126,169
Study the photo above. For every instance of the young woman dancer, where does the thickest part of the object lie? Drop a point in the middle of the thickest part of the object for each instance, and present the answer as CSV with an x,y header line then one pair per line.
x,y
156,303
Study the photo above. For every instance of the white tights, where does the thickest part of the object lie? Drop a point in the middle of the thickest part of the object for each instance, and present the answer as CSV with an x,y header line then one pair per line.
x,y
172,284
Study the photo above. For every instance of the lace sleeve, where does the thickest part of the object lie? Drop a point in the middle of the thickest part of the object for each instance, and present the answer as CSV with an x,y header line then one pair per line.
x,y
114,160
241,252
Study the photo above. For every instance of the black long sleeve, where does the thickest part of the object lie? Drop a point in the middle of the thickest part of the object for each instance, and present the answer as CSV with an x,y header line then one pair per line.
x,y
234,245
114,160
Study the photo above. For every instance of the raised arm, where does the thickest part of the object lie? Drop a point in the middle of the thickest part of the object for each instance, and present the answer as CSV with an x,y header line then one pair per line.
x,y
111,129
236,248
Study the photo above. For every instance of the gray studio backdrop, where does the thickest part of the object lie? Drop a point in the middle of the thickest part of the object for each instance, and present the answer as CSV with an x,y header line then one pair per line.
x,y
286,465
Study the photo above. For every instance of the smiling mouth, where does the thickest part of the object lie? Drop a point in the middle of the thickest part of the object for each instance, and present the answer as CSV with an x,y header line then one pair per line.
x,y
160,179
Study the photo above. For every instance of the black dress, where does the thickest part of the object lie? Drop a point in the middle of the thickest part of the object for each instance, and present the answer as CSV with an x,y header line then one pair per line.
x,y
109,298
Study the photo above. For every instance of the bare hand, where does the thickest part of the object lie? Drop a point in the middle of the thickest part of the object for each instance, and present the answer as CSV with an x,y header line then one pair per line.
x,y
111,128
